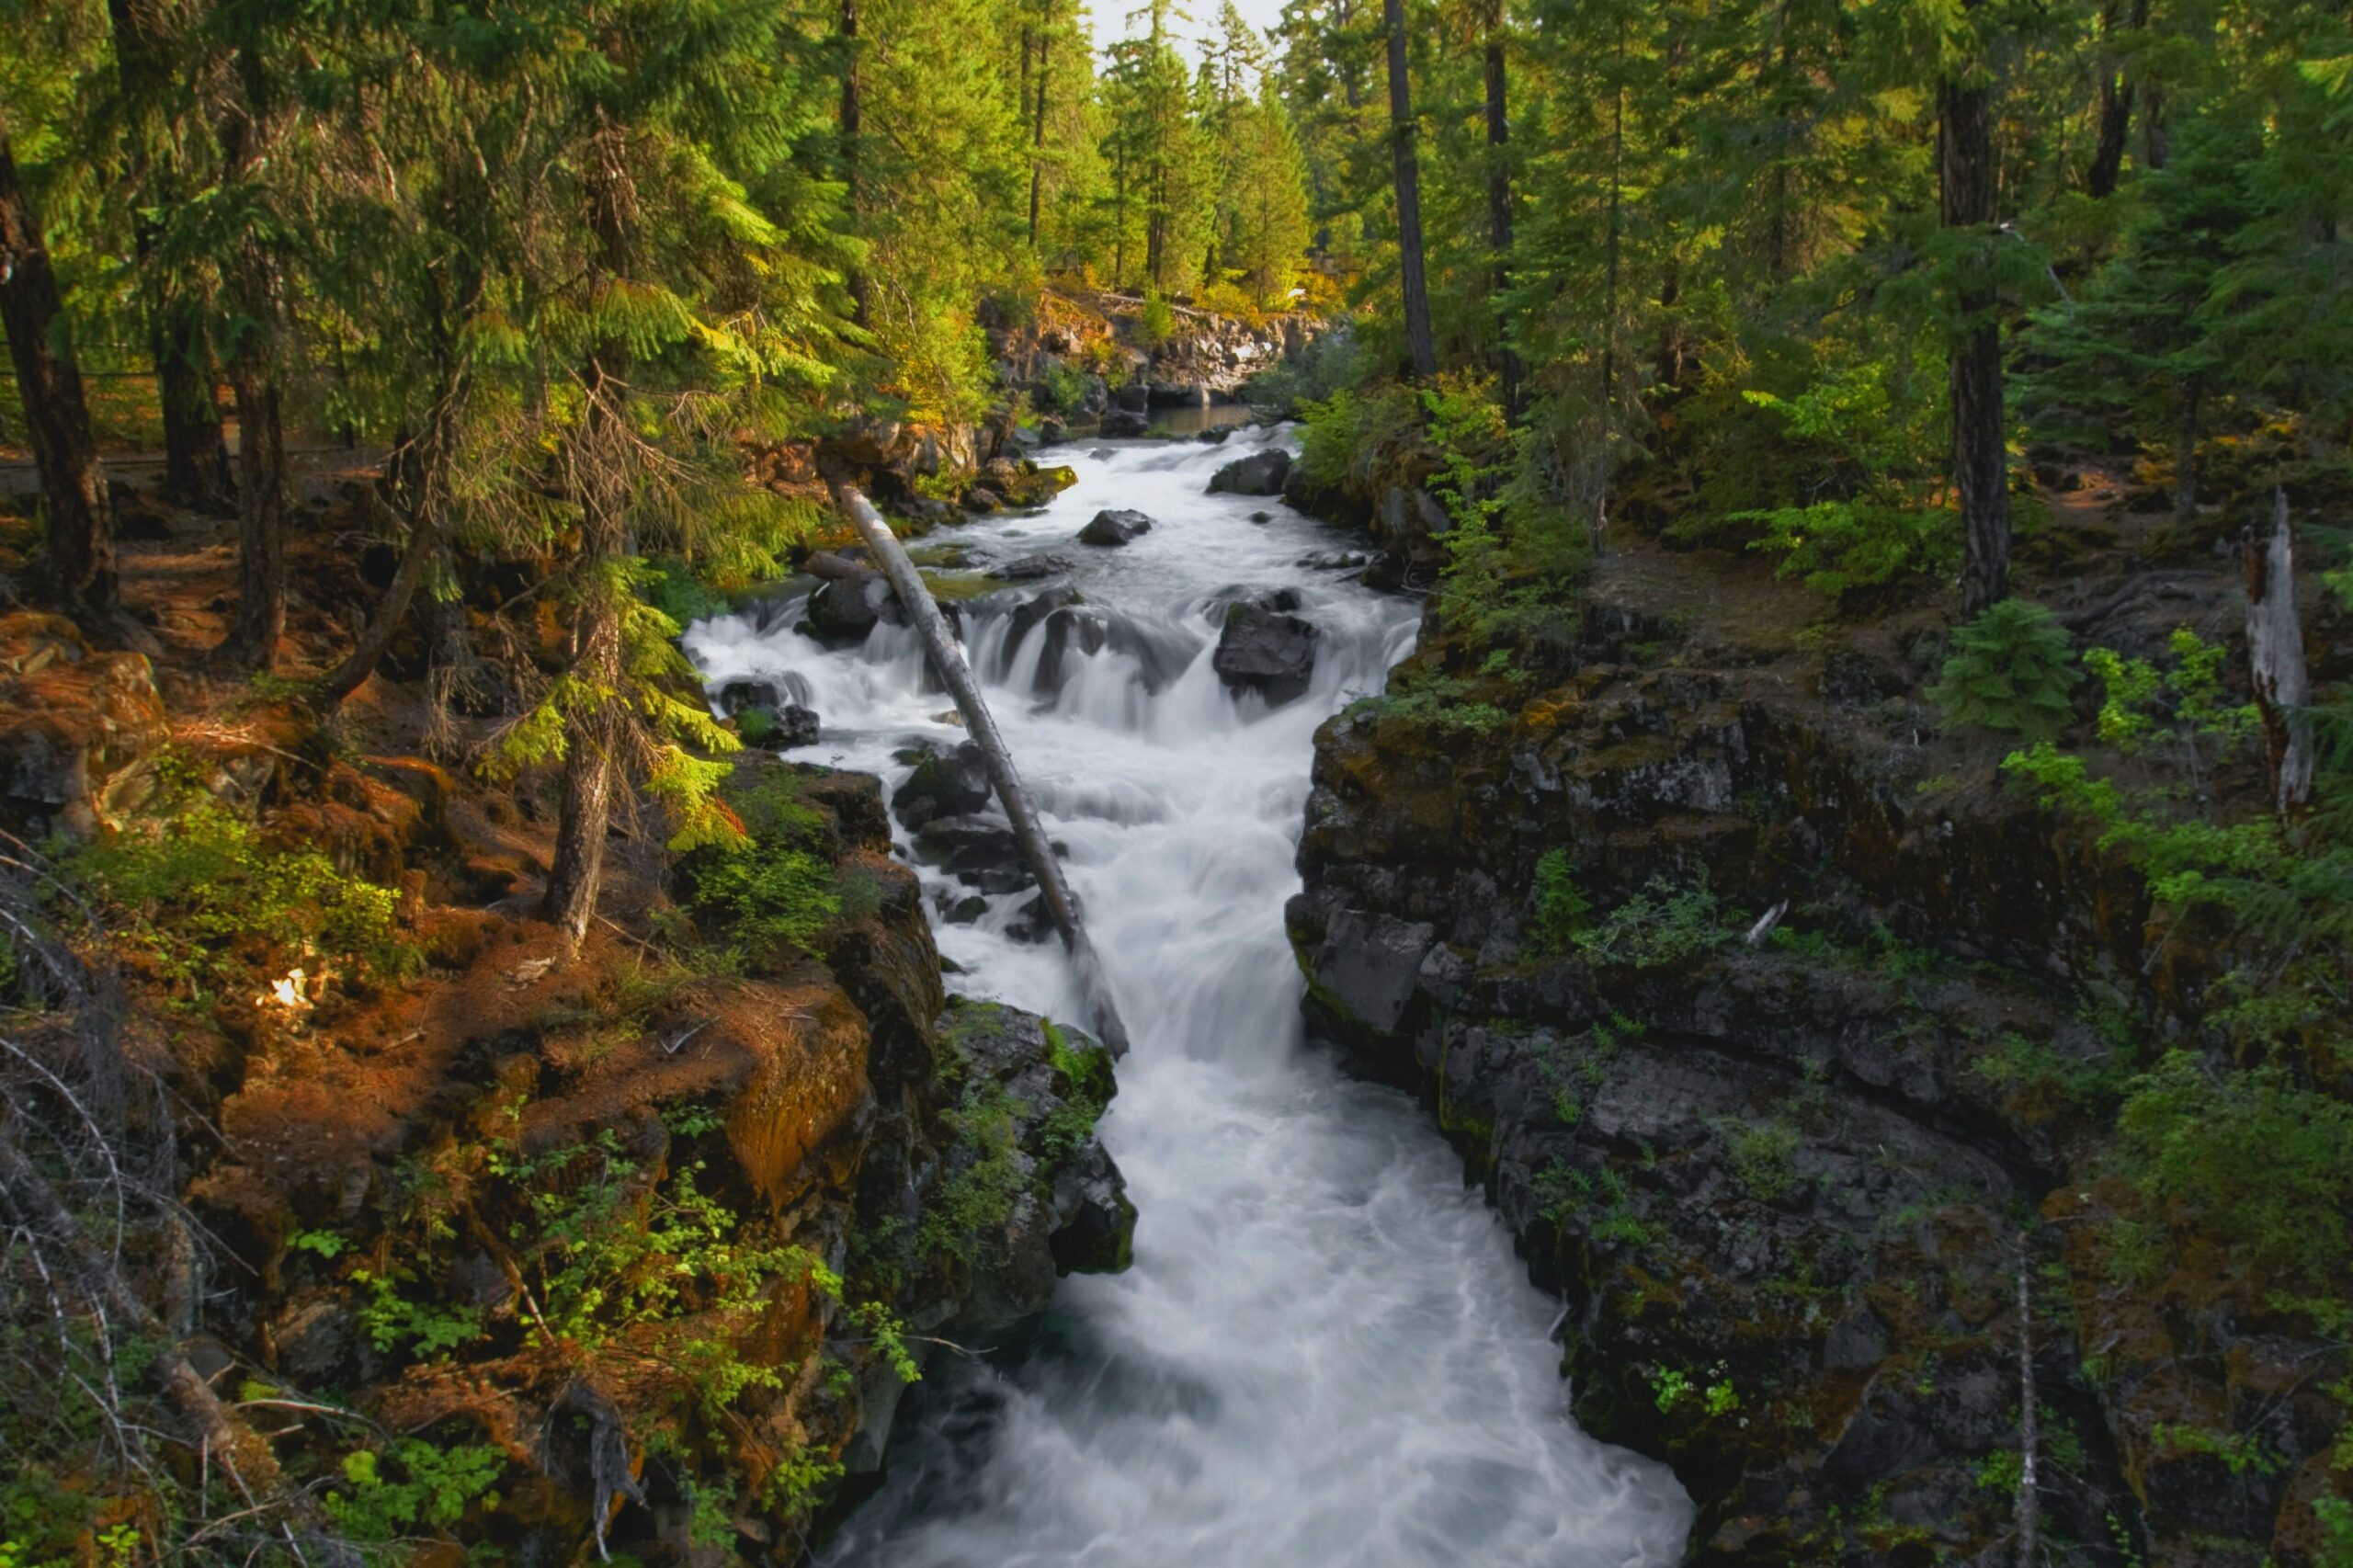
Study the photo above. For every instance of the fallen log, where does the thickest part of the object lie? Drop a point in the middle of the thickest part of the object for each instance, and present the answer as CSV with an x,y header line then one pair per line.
x,y
957,675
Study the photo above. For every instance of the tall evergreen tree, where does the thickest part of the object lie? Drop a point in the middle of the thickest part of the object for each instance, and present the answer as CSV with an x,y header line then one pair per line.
x,y
1420,347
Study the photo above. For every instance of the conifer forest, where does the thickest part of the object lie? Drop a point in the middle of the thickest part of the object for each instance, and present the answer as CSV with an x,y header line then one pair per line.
x,y
986,784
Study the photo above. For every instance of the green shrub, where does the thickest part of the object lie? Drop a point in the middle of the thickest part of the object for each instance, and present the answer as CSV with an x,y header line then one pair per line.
x,y
1352,434
1763,1156
1867,455
2255,1163
771,885
1158,323
2011,670
214,908
1560,909
1661,926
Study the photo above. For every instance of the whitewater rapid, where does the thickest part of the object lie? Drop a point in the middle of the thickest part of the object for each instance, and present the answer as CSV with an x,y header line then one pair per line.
x,y
1326,1355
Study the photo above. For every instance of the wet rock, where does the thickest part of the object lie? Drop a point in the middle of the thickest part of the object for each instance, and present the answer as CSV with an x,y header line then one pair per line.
x,y
795,726
1068,629
1267,651
1262,516
930,512
1369,965
1260,474
1031,612
1114,528
1096,1222
1333,560
1101,453
845,609
1123,422
1133,398
772,692
1050,431
1028,568
1176,394
944,784
980,499
1032,923
839,566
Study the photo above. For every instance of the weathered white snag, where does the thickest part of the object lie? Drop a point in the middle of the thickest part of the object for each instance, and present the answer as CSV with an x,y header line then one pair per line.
x,y
957,675
2275,652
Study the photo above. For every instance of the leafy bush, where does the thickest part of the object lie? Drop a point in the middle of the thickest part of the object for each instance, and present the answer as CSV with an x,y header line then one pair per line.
x,y
1871,518
1352,433
1315,375
1431,700
2011,670
1763,1156
1560,910
1063,387
1661,926
213,908
426,1485
1158,323
2253,1160
769,885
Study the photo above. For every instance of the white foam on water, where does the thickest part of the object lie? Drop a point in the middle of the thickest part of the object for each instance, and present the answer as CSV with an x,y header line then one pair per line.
x,y
1326,1355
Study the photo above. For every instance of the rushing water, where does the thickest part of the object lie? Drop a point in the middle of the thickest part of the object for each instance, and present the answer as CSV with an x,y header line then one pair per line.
x,y
1326,1355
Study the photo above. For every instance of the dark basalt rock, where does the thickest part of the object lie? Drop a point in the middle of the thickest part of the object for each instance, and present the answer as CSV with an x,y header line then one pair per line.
x,y
1133,398
1265,651
1333,560
1122,422
981,499
773,693
1071,627
944,784
844,610
795,726
1028,568
1260,474
1114,528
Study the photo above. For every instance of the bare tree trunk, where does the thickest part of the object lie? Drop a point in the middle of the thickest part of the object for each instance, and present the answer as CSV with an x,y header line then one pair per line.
x,y
2030,1515
1038,133
957,677
1980,460
853,120
1421,347
2185,452
2116,94
424,512
196,456
262,506
594,716
80,557
590,723
263,500
1499,204
2275,650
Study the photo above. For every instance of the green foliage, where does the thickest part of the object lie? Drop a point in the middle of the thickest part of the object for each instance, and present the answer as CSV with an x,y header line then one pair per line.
x,y
1426,698
2010,670
2256,1162
1879,528
769,885
1664,925
412,1485
988,1179
1560,909
215,907
1763,1156
1156,323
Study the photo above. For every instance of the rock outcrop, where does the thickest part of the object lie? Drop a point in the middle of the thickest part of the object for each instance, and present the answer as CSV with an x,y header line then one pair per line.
x,y
1265,649
1114,528
1778,1171
1260,474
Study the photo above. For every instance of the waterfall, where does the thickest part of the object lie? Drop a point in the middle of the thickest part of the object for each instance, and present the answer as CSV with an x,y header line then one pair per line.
x,y
1326,1355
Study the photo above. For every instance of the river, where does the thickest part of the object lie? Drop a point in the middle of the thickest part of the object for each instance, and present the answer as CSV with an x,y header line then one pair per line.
x,y
1326,1355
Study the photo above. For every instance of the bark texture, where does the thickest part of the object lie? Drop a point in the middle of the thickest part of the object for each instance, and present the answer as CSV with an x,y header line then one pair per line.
x,y
80,556
1420,347
1980,460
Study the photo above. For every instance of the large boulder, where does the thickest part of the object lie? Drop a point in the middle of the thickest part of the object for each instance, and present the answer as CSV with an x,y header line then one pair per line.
x,y
1133,398
1114,528
1260,474
1267,651
790,688
944,784
1122,422
844,610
